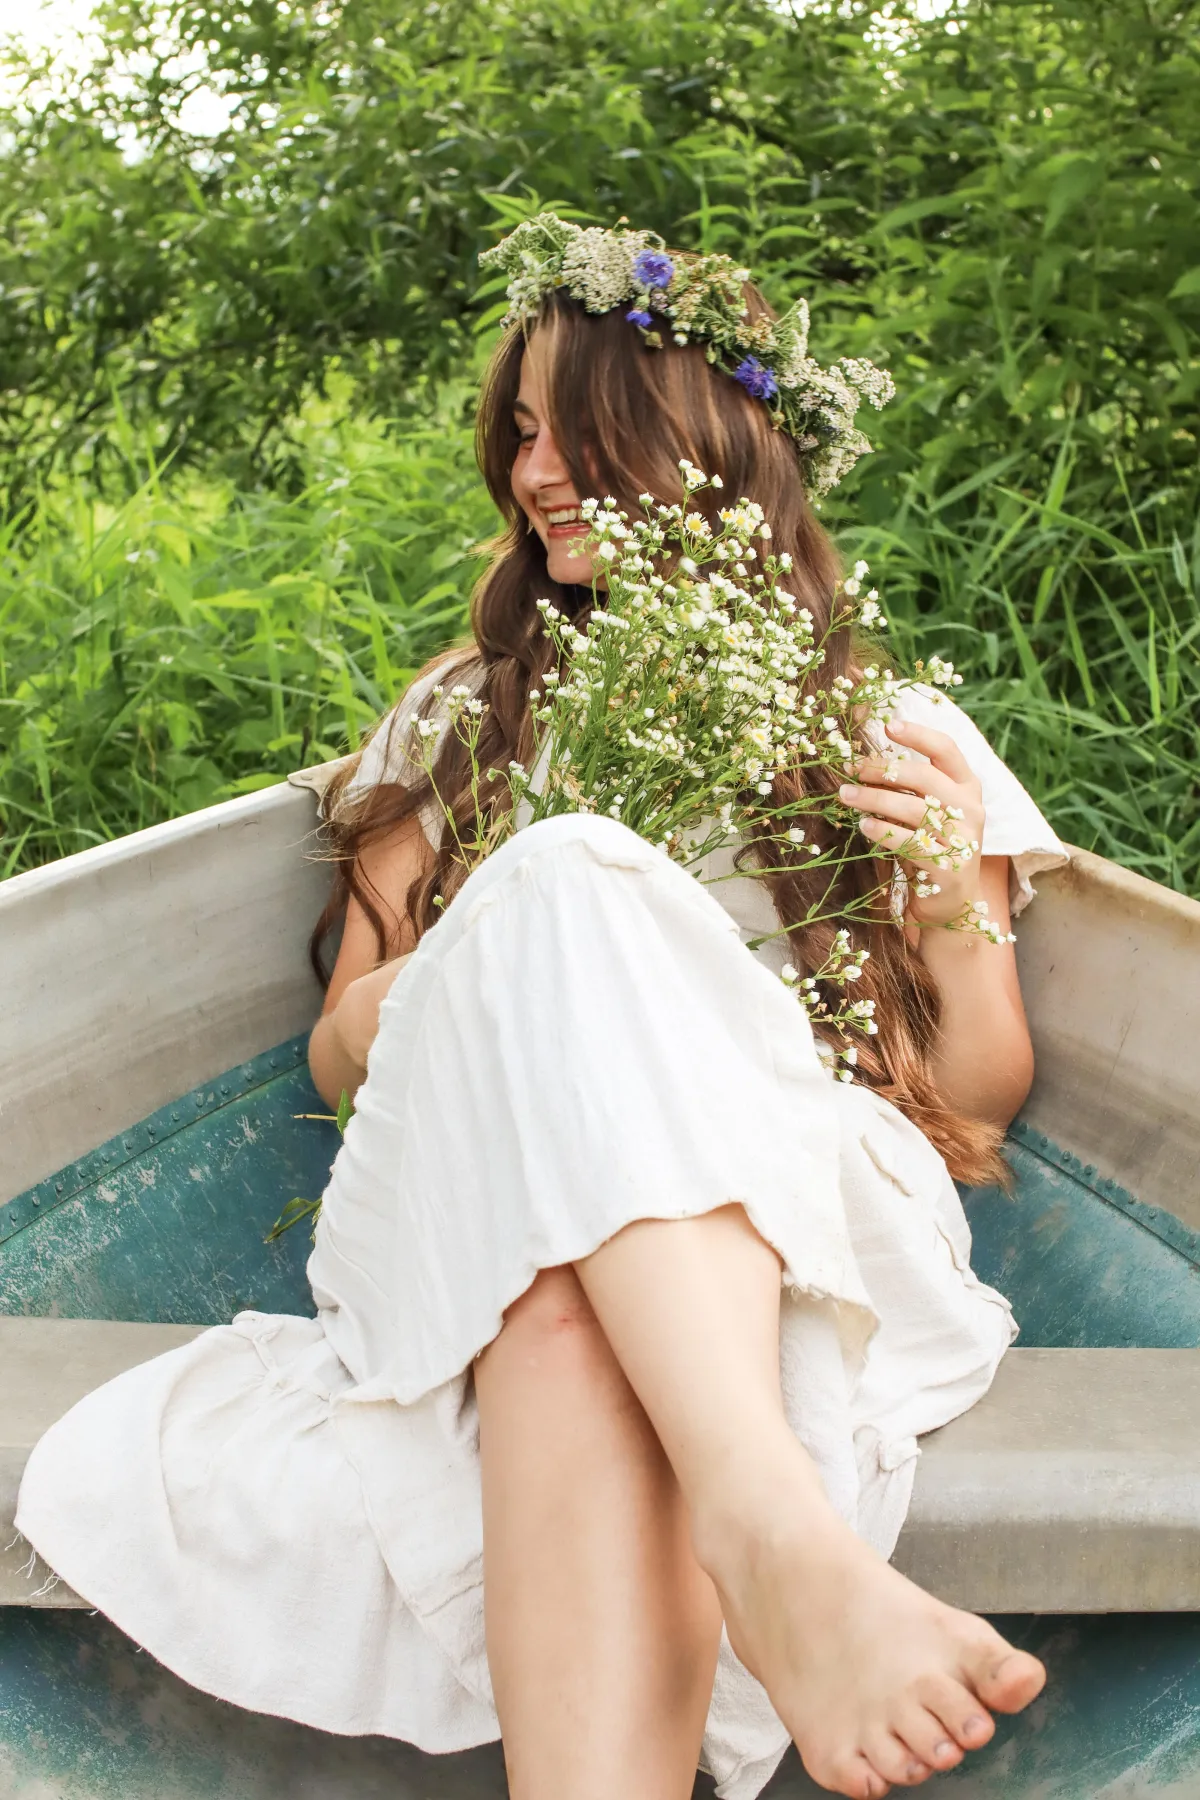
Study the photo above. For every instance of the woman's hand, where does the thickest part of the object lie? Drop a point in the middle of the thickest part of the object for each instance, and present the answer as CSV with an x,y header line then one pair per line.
x,y
929,816
356,1015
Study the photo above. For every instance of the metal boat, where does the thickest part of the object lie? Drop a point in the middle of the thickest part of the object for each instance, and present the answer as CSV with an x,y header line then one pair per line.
x,y
153,1102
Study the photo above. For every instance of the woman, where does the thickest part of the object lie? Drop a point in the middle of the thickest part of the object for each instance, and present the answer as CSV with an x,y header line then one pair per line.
x,y
629,1317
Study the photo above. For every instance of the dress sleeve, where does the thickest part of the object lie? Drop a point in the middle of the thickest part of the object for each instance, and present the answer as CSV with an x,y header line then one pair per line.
x,y
394,754
1014,826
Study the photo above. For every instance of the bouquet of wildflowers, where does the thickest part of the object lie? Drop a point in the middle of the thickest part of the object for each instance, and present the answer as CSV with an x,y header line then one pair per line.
x,y
696,679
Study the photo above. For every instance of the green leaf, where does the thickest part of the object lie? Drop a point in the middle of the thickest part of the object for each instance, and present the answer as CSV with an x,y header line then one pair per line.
x,y
927,207
1188,283
294,1213
1076,179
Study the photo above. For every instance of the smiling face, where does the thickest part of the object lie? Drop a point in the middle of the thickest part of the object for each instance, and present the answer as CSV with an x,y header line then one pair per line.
x,y
541,481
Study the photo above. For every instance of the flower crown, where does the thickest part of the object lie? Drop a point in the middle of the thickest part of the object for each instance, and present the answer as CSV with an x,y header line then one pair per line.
x,y
700,297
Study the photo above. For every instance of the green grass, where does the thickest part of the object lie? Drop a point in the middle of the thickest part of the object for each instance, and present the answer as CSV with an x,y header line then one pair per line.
x,y
193,642
998,203
1080,643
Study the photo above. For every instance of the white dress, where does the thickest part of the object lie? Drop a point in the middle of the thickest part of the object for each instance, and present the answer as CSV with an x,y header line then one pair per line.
x,y
286,1512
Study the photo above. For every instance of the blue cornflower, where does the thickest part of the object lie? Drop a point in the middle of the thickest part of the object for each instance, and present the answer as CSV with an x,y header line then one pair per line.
x,y
652,269
638,317
756,379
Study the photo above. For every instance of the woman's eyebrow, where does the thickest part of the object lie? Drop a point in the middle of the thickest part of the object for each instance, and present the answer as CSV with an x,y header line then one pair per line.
x,y
519,406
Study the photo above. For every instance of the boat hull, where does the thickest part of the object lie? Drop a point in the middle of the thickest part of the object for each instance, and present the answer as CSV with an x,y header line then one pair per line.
x,y
165,1220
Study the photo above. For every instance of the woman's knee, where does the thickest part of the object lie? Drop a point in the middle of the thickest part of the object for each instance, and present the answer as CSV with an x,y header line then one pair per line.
x,y
552,843
582,828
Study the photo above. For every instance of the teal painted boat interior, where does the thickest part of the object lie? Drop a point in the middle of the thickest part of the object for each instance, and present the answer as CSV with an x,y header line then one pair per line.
x,y
85,1716
167,1223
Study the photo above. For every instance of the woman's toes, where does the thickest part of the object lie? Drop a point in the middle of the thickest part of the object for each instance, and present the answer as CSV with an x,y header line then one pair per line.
x,y
946,1754
1009,1681
928,1739
964,1722
971,1726
895,1761
854,1776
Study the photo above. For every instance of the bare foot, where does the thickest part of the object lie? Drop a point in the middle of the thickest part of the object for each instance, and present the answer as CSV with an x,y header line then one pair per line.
x,y
879,1683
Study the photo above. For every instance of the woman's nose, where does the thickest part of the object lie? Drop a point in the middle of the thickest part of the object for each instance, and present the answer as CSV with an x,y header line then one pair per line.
x,y
545,467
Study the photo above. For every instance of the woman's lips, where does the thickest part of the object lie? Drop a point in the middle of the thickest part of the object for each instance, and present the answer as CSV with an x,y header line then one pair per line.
x,y
563,523
564,530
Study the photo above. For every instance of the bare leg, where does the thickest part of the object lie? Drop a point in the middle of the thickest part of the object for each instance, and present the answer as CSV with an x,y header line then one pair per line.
x,y
877,1682
602,1629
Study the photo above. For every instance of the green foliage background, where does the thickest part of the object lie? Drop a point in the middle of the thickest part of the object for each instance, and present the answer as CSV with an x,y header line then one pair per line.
x,y
236,371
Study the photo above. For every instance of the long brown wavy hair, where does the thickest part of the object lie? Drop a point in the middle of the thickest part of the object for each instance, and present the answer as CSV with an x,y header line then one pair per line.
x,y
622,417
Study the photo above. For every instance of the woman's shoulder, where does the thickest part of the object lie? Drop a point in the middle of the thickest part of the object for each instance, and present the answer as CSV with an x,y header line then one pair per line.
x,y
395,751
920,704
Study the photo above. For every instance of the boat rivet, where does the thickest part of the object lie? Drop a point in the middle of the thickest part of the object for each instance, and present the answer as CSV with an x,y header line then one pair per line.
x,y
58,1188
129,1143
1089,1170
37,1198
224,1087
175,1117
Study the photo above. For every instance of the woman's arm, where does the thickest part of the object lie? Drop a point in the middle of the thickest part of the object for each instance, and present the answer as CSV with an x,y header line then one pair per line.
x,y
342,1036
984,1059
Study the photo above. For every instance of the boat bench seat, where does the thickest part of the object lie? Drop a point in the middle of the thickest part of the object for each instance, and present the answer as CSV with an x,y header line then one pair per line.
x,y
1073,1486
